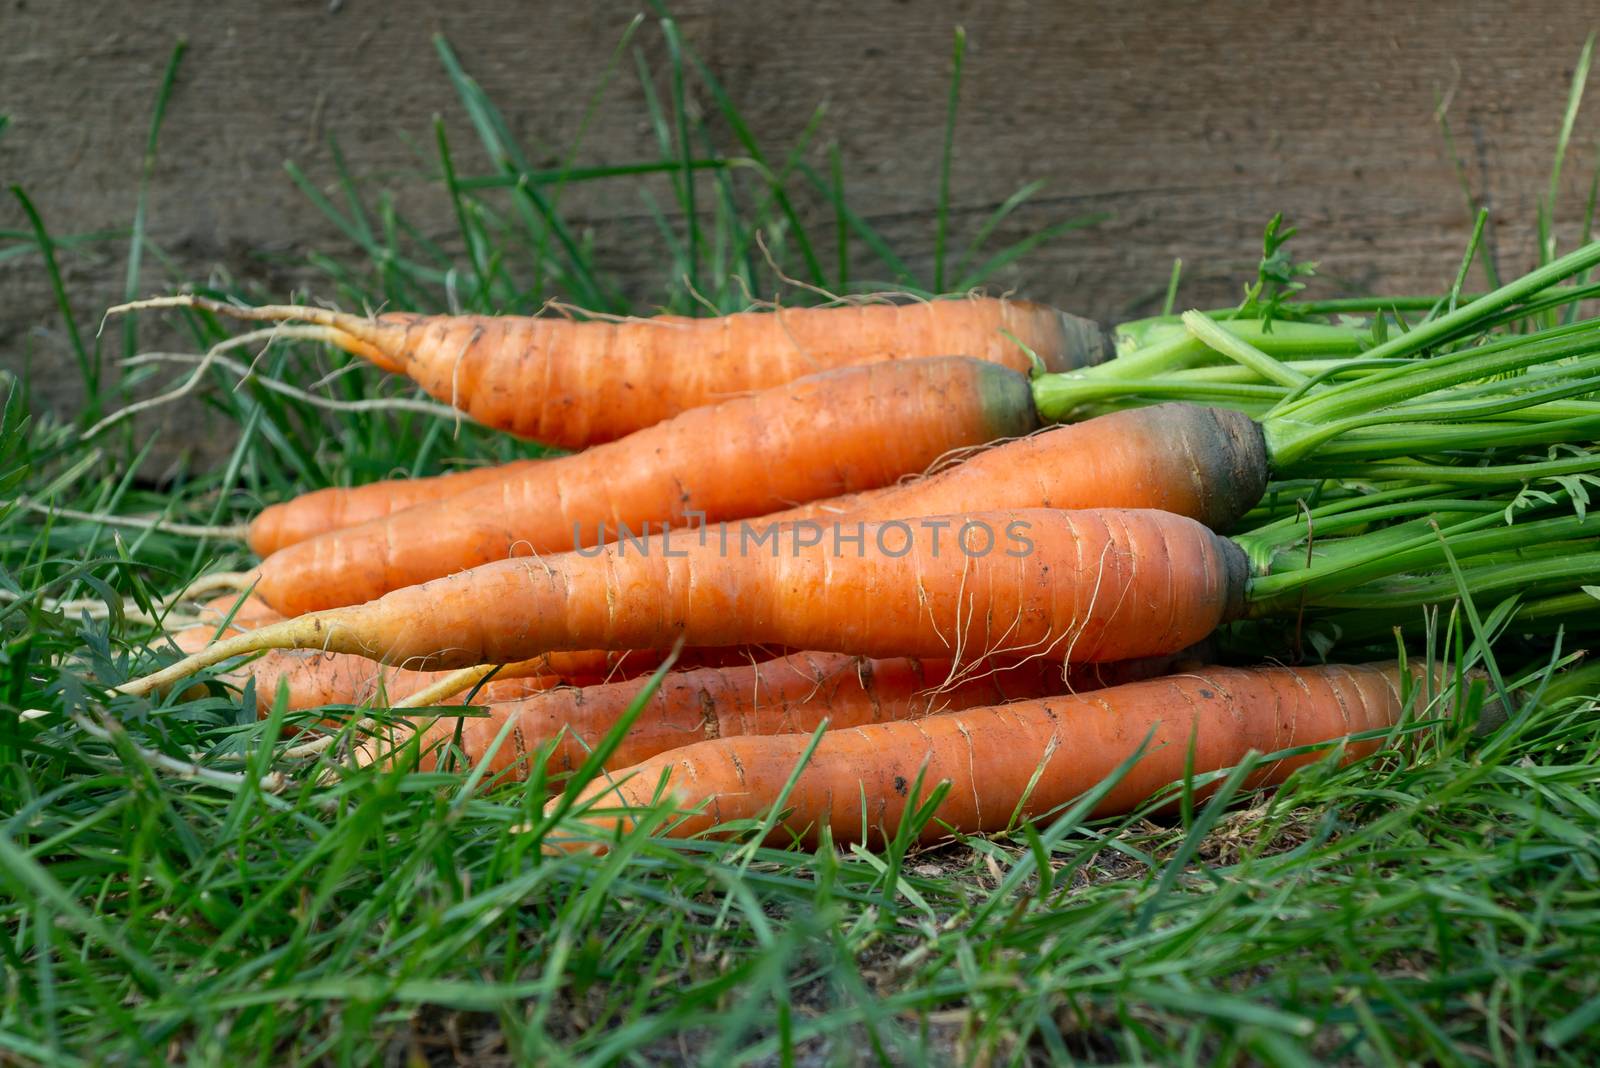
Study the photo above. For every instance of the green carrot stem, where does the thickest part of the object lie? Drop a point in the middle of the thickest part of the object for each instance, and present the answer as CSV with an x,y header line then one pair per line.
x,y
1366,305
1328,553
1217,337
1434,330
1330,370
1378,556
1315,371
1550,299
1272,549
1161,350
1483,475
1419,377
1415,419
1294,431
1370,495
1554,411
1292,528
1074,396
1060,397
1288,500
1539,573
1334,457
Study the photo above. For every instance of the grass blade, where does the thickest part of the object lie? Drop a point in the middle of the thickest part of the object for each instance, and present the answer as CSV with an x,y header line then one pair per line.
x,y
942,210
88,362
136,240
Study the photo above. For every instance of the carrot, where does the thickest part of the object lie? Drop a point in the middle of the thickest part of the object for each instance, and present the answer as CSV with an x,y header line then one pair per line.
x,y
316,678
1090,586
1013,762
575,384
789,694
837,432
336,507
1206,463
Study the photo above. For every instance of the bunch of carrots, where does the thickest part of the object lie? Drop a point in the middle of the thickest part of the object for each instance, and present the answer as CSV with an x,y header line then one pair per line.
x,y
820,565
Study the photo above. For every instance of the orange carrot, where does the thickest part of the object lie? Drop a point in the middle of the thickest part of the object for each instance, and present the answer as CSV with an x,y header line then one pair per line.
x,y
575,384
793,693
337,507
1206,463
316,678
1090,586
1017,761
837,432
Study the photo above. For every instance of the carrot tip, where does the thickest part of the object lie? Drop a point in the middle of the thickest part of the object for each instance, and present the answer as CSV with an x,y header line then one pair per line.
x,y
302,632
181,300
448,687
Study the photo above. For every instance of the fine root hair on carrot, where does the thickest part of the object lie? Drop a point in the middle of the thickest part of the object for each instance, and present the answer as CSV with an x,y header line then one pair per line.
x,y
576,314
225,581
205,361
247,372
233,581
353,333
837,300
454,683
321,744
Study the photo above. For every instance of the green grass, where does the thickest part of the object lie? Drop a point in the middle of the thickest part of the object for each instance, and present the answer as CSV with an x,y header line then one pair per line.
x,y
1432,902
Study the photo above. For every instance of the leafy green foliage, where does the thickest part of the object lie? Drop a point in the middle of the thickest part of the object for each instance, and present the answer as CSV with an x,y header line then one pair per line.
x,y
1277,276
